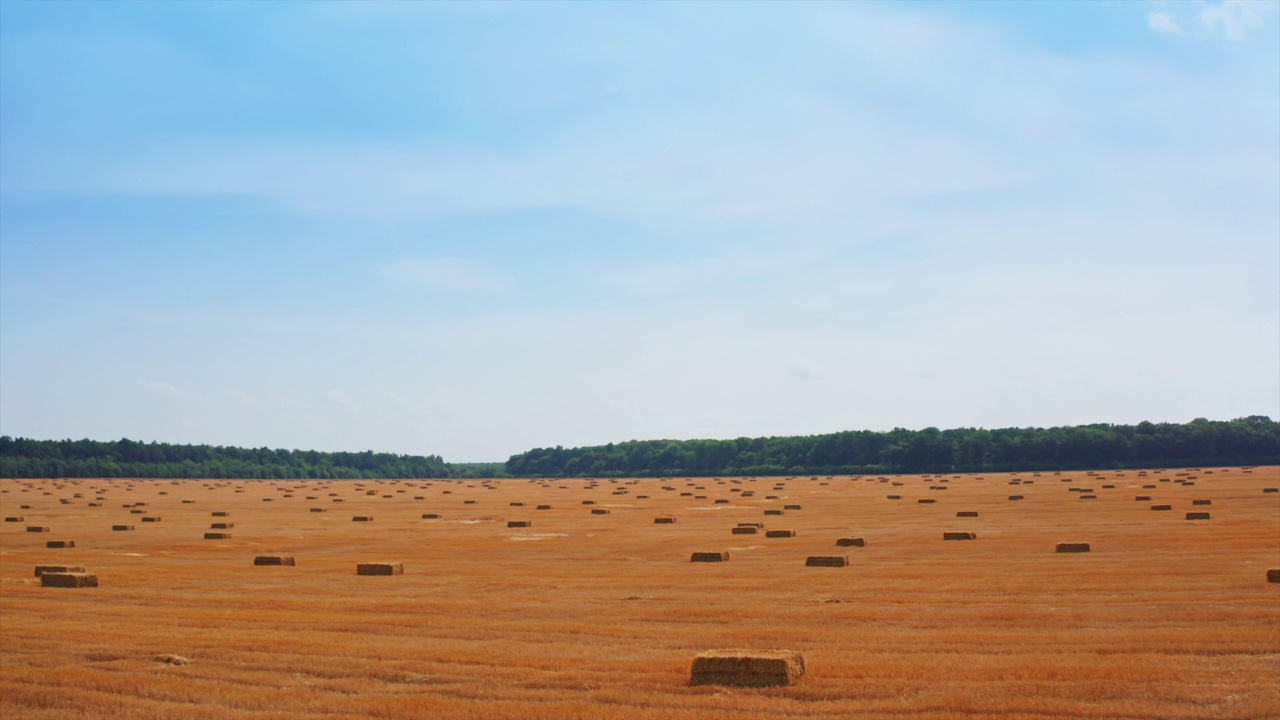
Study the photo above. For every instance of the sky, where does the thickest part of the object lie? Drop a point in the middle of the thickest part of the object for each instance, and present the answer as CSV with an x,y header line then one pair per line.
x,y
474,229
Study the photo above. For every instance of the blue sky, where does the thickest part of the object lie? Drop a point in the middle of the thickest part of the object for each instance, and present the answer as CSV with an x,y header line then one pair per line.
x,y
473,229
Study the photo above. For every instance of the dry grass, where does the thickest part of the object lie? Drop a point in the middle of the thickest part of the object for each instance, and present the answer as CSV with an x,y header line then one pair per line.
x,y
601,617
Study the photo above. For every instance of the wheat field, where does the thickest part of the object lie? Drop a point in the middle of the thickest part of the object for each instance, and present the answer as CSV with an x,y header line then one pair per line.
x,y
598,615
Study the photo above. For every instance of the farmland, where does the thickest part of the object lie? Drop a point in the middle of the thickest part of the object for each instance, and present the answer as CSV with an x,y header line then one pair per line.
x,y
585,614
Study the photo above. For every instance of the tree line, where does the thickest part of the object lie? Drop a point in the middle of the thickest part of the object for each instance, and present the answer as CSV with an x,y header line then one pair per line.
x,y
25,458
1253,440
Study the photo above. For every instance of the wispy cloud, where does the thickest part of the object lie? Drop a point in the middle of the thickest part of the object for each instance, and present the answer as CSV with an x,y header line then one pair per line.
x,y
159,388
1233,19
447,274
1162,23
341,399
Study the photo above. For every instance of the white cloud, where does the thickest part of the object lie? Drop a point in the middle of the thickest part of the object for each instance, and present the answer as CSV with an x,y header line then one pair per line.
x,y
341,399
1231,18
160,388
1162,23
446,274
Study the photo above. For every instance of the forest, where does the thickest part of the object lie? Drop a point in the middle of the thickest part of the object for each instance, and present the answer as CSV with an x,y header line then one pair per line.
x,y
1253,440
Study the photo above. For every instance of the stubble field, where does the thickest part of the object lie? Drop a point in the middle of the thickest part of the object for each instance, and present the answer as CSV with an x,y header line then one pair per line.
x,y
588,615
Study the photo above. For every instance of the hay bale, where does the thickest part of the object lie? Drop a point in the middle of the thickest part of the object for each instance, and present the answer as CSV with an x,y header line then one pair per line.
x,y
1015,497
221,525
1161,507
851,542
599,511
664,521
1143,498
42,569
772,512
151,518
926,501
121,528
430,516
379,568
15,518
274,560
543,507
709,557
1070,547
1197,516
1270,490
967,513
219,513
362,518
747,530
69,579
172,660
60,544
747,668
1201,502
37,529
520,523
959,536
792,507
826,561
1273,575
895,497
317,509
217,536
779,533
1088,497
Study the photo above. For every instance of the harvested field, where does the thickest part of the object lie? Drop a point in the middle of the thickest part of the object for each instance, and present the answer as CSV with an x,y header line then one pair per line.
x,y
601,617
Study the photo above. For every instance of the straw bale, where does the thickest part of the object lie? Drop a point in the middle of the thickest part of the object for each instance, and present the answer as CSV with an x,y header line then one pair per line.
x,y
926,501
1142,498
379,568
1197,516
219,513
744,530
1273,575
792,507
959,536
709,557
1201,502
430,516
69,579
851,542
121,528
520,523
664,521
217,536
1161,507
151,518
779,533
221,525
274,560
17,518
599,511
747,668
60,544
826,561
967,513
1073,547
37,529
362,518
1015,497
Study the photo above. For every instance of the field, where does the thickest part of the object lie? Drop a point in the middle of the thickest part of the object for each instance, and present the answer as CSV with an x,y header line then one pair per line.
x,y
586,615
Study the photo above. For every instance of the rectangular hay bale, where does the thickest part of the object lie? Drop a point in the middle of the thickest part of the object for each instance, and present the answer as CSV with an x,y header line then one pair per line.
x,y
709,557
379,568
69,580
959,536
747,668
60,544
274,560
826,561
851,542
1073,547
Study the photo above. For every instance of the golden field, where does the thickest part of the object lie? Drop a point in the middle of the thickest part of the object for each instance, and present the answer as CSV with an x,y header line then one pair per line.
x,y
588,615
